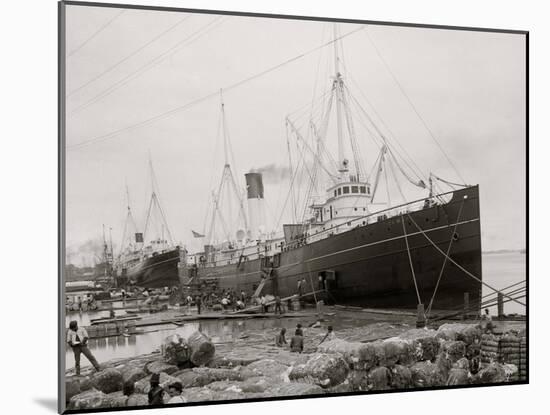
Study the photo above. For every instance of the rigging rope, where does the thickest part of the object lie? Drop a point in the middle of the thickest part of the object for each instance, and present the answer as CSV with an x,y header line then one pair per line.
x,y
413,106
453,261
445,259
448,182
203,98
97,32
292,180
385,141
135,52
386,179
410,262
150,64
293,197
418,171
392,170
353,140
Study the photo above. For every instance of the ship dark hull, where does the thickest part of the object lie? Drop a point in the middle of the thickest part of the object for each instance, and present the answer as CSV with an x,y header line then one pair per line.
x,y
157,271
369,265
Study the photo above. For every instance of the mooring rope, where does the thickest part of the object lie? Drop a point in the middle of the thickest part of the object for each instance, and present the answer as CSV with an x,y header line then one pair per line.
x,y
458,265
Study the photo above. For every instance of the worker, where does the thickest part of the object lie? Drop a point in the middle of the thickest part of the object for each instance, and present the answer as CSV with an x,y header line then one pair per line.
x,y
278,306
329,336
263,304
297,342
300,288
128,388
488,321
77,338
155,395
299,329
243,297
174,390
198,301
280,339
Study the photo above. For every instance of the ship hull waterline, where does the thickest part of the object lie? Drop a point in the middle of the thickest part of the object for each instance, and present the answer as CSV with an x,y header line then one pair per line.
x,y
156,271
369,266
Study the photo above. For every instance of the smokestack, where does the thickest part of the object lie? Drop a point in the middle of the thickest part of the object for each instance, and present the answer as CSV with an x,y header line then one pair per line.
x,y
256,209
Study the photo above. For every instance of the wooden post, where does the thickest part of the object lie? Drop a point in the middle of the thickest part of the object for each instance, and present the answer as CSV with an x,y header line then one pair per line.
x,y
500,305
420,316
466,306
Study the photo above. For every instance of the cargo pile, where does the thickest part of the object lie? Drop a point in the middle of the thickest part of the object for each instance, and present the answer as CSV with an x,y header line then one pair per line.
x,y
454,354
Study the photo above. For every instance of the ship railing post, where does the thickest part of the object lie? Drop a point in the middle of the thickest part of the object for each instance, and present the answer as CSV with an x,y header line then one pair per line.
x,y
420,316
466,306
500,305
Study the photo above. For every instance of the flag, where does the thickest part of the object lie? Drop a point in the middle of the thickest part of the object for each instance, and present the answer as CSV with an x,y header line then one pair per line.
x,y
139,237
197,235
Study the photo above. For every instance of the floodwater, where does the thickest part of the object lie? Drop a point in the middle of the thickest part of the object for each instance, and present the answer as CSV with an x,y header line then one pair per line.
x,y
499,271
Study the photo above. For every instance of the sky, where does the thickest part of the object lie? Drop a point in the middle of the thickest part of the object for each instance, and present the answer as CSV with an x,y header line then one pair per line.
x,y
124,68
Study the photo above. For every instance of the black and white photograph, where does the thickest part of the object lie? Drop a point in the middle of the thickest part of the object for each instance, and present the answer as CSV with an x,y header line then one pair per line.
x,y
260,207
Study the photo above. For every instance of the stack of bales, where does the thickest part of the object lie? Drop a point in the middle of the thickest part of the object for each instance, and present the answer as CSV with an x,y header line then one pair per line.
x,y
523,358
489,348
509,352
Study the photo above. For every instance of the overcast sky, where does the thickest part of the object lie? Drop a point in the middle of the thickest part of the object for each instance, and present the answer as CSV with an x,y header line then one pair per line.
x,y
127,67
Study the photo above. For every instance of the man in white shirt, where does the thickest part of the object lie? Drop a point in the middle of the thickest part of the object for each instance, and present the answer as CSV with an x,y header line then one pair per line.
x,y
77,338
263,304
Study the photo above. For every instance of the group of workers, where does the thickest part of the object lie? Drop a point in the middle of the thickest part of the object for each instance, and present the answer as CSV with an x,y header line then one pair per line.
x,y
157,394
228,299
297,341
264,304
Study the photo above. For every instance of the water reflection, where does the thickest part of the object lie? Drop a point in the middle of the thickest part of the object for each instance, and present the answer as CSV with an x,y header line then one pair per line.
x,y
219,331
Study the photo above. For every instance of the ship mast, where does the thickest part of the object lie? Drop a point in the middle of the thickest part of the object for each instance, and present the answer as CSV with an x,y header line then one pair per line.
x,y
105,251
337,86
129,221
155,202
227,178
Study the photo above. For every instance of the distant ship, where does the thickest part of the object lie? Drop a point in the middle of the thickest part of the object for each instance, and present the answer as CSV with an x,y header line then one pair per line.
x,y
346,248
151,263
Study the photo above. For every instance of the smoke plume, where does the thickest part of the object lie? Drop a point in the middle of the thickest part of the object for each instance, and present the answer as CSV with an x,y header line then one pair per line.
x,y
272,173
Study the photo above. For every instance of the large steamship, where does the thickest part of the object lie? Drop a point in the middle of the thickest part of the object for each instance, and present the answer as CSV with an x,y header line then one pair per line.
x,y
347,248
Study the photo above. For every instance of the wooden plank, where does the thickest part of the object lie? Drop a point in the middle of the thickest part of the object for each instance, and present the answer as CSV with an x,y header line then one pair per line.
x,y
388,312
113,320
